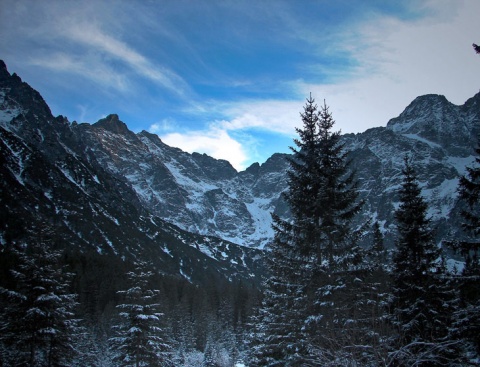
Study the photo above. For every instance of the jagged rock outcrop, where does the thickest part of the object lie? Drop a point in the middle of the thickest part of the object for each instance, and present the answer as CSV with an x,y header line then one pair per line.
x,y
440,137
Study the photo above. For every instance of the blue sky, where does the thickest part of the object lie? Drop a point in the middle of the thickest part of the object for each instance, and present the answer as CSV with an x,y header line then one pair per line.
x,y
229,78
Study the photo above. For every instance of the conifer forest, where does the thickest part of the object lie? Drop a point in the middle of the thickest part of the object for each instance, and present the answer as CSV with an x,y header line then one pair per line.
x,y
329,290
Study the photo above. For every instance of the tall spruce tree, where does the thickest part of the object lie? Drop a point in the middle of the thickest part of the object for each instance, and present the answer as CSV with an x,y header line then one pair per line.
x,y
335,261
322,193
279,338
421,302
38,325
318,239
467,324
140,340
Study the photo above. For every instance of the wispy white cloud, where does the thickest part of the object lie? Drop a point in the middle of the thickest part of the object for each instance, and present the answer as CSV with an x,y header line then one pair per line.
x,y
215,142
395,61
97,71
233,138
401,59
93,37
164,126
273,115
90,40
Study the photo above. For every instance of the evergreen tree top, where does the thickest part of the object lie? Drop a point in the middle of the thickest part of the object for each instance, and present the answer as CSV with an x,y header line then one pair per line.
x,y
308,134
416,253
413,206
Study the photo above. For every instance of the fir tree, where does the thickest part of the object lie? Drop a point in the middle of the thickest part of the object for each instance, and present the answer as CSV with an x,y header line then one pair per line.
x,y
337,200
278,338
139,339
335,263
306,251
38,325
467,323
304,185
421,302
469,193
322,192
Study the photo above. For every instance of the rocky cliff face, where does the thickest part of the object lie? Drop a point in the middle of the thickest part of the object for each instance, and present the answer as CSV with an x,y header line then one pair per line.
x,y
196,192
440,137
112,172
51,179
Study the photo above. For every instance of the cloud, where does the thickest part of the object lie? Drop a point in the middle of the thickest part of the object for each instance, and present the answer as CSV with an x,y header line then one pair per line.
x,y
163,126
96,71
273,115
235,138
396,60
92,40
399,60
215,142
93,37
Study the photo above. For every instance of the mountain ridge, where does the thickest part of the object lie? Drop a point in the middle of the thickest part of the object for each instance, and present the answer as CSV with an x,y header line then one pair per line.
x,y
237,205
52,180
207,196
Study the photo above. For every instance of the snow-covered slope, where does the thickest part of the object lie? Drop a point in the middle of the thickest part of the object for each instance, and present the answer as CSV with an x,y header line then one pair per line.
x,y
208,197
54,188
196,192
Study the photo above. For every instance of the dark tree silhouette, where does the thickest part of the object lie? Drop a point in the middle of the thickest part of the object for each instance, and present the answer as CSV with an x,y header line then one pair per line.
x,y
467,323
476,48
38,325
421,302
308,295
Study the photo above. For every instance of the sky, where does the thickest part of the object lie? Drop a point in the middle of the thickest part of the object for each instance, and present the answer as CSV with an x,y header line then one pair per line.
x,y
230,78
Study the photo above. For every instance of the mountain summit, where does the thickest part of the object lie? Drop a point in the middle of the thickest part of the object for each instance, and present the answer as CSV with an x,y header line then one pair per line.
x,y
435,119
113,124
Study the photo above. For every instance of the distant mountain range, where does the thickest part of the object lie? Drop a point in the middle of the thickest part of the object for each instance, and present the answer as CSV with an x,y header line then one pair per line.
x,y
103,187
